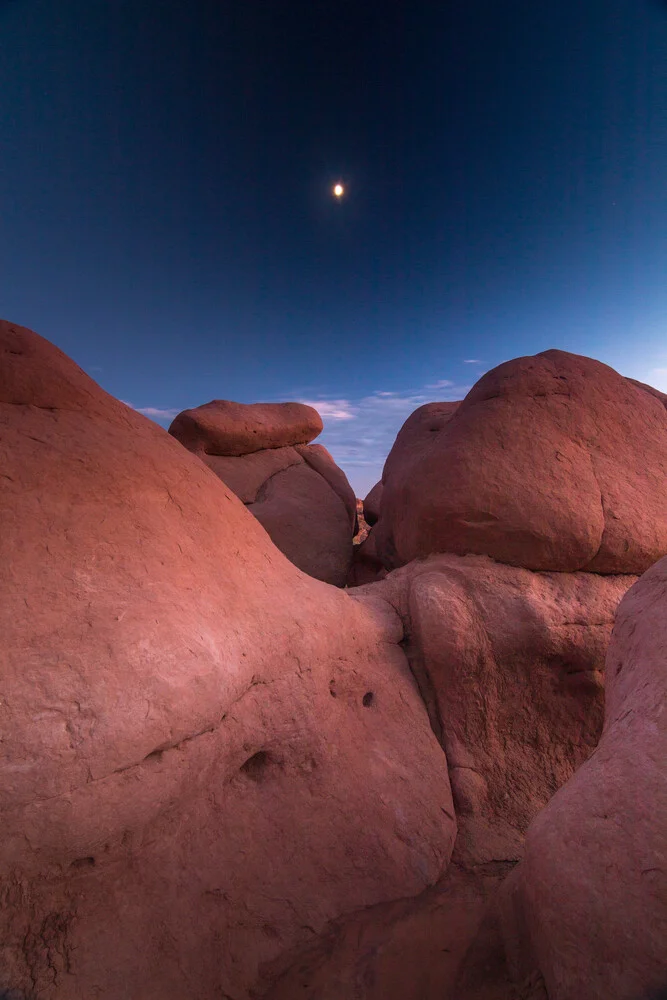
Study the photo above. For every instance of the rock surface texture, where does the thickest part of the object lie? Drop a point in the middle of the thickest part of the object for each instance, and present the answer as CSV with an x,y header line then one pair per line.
x,y
510,664
207,756
586,911
261,451
551,462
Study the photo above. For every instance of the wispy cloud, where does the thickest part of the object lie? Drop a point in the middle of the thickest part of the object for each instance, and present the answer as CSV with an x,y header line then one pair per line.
x,y
332,409
359,432
444,383
471,361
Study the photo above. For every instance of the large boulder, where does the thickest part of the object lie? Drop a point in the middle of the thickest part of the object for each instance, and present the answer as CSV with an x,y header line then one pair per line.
x,y
223,427
510,664
586,910
551,462
207,756
295,489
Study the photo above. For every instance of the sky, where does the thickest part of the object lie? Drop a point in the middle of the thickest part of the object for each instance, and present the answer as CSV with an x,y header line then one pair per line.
x,y
167,216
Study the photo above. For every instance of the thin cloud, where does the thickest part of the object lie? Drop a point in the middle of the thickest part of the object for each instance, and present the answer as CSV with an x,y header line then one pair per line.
x,y
359,433
471,361
332,409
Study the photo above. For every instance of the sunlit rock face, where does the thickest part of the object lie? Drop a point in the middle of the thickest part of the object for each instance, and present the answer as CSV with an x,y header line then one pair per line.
x,y
262,452
206,755
551,462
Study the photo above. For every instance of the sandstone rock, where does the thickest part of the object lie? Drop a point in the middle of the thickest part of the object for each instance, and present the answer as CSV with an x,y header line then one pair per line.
x,y
416,435
511,666
320,460
552,462
372,504
206,755
245,475
366,563
223,427
308,522
412,949
587,908
309,513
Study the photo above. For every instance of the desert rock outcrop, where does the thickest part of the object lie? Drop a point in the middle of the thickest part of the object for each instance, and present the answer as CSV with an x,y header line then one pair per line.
x,y
294,488
551,462
207,756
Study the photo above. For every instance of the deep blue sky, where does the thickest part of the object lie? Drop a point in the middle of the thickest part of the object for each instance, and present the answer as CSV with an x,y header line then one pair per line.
x,y
167,218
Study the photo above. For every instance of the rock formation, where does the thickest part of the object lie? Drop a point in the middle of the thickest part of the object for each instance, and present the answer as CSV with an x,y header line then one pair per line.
x,y
206,755
220,777
261,451
552,462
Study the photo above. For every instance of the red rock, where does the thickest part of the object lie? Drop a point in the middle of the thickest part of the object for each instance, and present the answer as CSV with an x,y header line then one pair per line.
x,y
552,462
511,667
366,564
223,427
308,522
586,911
309,513
410,949
319,459
372,504
416,435
246,474
207,756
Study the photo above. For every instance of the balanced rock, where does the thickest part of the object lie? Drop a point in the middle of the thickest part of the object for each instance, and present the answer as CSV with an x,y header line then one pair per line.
x,y
551,462
586,910
223,427
207,756
295,489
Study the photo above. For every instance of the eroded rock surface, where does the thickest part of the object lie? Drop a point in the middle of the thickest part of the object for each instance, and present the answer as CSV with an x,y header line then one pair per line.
x,y
511,666
295,489
207,756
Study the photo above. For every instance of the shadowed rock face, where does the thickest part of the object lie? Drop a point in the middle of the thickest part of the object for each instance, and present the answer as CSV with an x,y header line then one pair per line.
x,y
206,755
294,489
552,462
587,907
510,664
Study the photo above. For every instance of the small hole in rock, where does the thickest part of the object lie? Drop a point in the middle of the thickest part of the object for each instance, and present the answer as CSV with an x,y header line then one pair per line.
x,y
255,766
368,699
83,863
154,755
332,688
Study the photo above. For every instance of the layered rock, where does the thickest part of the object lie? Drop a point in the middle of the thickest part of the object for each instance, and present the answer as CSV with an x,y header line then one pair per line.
x,y
586,911
295,489
552,462
207,756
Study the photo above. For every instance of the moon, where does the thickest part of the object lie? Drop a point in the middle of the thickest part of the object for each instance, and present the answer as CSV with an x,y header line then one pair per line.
x,y
338,190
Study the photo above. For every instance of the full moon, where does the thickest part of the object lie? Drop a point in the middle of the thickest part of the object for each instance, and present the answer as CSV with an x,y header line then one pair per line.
x,y
339,190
